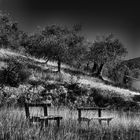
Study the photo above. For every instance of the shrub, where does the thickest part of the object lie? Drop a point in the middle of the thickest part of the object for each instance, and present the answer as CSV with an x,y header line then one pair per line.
x,y
13,74
109,99
98,98
136,98
75,92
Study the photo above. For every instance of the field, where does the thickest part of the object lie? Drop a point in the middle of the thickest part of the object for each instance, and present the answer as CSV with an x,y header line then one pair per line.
x,y
14,126
59,66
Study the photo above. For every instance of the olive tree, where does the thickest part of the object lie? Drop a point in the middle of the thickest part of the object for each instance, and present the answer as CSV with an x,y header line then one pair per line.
x,y
104,50
58,43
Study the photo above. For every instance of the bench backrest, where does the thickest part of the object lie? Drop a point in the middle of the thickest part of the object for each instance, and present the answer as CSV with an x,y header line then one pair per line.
x,y
44,105
90,108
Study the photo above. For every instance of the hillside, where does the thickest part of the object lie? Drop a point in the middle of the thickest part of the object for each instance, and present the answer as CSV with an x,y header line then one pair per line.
x,y
86,80
133,63
46,74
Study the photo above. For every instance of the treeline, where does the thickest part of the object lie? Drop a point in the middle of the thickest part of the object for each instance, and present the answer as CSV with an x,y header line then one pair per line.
x,y
67,45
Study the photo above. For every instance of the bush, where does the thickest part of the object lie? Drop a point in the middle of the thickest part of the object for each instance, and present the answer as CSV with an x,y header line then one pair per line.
x,y
75,92
98,98
13,74
136,98
109,99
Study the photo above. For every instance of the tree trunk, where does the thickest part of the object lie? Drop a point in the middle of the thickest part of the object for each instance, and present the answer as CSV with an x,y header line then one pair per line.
x,y
59,65
99,72
94,68
87,67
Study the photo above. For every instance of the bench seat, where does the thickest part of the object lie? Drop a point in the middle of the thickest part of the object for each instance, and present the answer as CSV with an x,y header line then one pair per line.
x,y
51,117
100,119
44,119
103,118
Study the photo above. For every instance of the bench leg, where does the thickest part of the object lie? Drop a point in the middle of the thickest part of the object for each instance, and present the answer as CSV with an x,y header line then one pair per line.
x,y
88,123
58,122
108,121
30,123
46,123
79,120
100,122
42,124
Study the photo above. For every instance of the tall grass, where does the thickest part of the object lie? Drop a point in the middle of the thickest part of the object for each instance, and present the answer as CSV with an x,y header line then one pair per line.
x,y
14,126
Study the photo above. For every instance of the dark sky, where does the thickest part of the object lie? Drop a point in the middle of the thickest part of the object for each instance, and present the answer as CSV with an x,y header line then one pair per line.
x,y
97,17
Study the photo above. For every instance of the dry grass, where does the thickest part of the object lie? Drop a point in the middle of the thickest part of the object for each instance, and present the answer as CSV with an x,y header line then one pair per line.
x,y
14,126
100,85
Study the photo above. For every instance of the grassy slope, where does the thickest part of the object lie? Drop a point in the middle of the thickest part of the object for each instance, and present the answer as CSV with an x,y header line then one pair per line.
x,y
66,72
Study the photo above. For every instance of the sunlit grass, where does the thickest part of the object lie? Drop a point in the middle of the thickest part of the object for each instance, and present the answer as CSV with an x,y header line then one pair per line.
x,y
102,86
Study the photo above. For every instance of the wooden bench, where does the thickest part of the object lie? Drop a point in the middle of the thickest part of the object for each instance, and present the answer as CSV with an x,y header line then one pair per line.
x,y
42,119
99,118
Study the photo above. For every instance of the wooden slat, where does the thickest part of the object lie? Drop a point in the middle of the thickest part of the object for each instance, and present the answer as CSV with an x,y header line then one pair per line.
x,y
90,108
38,104
103,118
51,117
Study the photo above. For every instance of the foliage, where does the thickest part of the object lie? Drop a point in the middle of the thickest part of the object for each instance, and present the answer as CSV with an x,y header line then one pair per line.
x,y
13,74
83,60
69,95
105,50
10,35
120,74
112,100
56,43
135,73
136,98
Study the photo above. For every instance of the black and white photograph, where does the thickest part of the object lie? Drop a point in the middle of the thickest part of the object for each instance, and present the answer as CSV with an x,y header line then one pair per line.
x,y
69,70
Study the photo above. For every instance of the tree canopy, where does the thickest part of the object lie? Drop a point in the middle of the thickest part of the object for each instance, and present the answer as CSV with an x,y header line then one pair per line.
x,y
62,44
8,31
58,43
106,49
